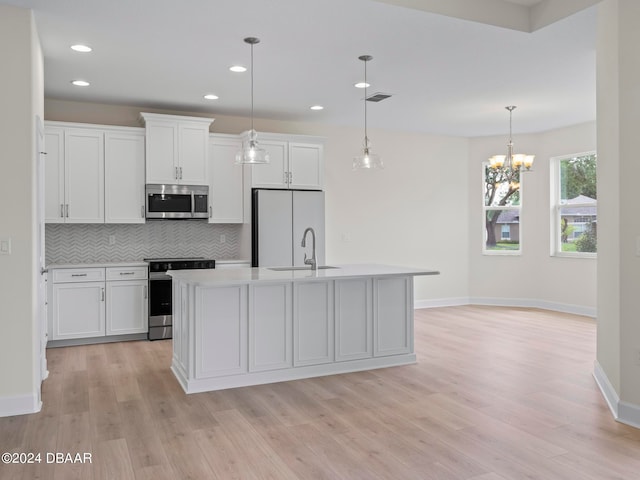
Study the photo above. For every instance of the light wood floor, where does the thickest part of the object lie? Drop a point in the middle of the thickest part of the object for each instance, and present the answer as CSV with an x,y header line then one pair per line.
x,y
498,393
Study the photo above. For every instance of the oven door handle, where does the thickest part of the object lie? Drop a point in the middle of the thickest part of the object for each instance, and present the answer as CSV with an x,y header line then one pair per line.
x,y
159,276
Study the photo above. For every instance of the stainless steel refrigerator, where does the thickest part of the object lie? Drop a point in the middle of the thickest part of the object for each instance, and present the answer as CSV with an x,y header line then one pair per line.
x,y
279,219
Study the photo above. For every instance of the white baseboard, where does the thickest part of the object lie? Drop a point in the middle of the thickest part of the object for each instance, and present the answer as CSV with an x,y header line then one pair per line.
x,y
507,302
623,412
19,405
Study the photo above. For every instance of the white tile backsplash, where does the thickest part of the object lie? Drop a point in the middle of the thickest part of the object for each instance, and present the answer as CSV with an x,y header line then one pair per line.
x,y
88,243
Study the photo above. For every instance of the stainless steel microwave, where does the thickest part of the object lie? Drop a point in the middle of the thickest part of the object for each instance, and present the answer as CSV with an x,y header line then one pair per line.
x,y
172,202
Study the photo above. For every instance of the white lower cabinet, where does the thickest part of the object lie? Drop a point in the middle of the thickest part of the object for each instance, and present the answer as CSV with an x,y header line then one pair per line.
x,y
221,319
78,310
354,319
98,302
270,327
392,316
126,307
313,323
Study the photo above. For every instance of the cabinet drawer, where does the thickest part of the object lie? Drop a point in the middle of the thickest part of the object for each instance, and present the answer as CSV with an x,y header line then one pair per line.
x,y
69,275
126,273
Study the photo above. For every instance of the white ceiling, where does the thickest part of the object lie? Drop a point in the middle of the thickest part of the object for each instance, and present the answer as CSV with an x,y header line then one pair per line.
x,y
448,76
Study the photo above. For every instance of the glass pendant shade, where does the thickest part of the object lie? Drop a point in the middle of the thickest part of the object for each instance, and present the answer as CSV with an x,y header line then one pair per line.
x,y
367,160
252,153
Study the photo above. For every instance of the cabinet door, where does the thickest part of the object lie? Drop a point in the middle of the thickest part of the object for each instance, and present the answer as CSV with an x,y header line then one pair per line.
x,y
275,173
127,307
54,175
221,320
270,327
192,157
79,310
124,177
313,340
84,176
354,321
306,166
393,316
225,181
161,152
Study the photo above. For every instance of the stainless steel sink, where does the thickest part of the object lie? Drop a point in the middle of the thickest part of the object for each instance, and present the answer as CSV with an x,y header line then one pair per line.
x,y
306,267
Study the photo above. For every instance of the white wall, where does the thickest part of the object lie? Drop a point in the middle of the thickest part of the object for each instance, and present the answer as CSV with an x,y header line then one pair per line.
x,y
21,88
534,278
414,212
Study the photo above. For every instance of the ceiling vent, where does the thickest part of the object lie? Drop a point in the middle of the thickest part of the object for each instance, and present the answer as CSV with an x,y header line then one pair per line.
x,y
378,97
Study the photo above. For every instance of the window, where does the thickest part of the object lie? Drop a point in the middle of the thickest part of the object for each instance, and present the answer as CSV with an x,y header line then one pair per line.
x,y
574,205
502,202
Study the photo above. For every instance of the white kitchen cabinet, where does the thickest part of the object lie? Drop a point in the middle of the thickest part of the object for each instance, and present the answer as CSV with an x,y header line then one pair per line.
x,y
74,175
176,149
270,327
295,162
78,297
127,302
93,173
313,341
98,302
124,176
225,180
393,316
221,319
354,320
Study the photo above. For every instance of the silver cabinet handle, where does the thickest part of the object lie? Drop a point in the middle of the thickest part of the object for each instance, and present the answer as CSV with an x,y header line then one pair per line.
x,y
142,211
145,292
180,173
127,273
78,274
67,210
286,177
62,210
290,178
210,211
175,173
102,298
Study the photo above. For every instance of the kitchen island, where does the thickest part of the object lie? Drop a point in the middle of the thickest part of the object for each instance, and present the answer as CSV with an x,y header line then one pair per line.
x,y
248,326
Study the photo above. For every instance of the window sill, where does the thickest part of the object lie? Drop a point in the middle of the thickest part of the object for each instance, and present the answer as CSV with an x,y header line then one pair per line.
x,y
575,255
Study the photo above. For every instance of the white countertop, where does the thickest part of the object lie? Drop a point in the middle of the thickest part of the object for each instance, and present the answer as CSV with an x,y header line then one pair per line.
x,y
238,276
96,265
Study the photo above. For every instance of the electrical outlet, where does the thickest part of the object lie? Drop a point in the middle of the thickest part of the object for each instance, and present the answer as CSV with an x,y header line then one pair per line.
x,y
5,246
223,238
112,239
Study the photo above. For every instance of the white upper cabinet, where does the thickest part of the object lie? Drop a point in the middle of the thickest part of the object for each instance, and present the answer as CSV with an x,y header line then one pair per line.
x,y
124,177
74,175
93,173
296,162
84,176
225,180
176,149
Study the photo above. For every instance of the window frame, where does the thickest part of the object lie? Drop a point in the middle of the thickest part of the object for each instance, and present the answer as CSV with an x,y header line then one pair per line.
x,y
555,242
485,208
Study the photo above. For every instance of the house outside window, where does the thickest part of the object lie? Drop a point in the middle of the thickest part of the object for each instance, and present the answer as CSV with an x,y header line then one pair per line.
x,y
574,205
501,211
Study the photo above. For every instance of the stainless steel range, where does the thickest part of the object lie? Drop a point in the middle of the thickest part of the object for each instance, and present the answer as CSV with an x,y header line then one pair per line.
x,y
160,309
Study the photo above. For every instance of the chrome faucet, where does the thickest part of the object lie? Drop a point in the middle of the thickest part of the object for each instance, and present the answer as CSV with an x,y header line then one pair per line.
x,y
310,261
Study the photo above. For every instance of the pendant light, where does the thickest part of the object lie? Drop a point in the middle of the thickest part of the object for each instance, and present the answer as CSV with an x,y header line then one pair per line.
x,y
511,162
252,153
366,160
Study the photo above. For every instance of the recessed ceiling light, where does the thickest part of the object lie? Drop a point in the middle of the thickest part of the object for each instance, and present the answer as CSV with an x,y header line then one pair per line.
x,y
361,85
317,107
81,48
80,83
238,68
211,96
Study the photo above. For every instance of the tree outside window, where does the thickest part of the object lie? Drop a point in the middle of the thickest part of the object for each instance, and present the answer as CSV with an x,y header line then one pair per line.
x,y
502,203
575,206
